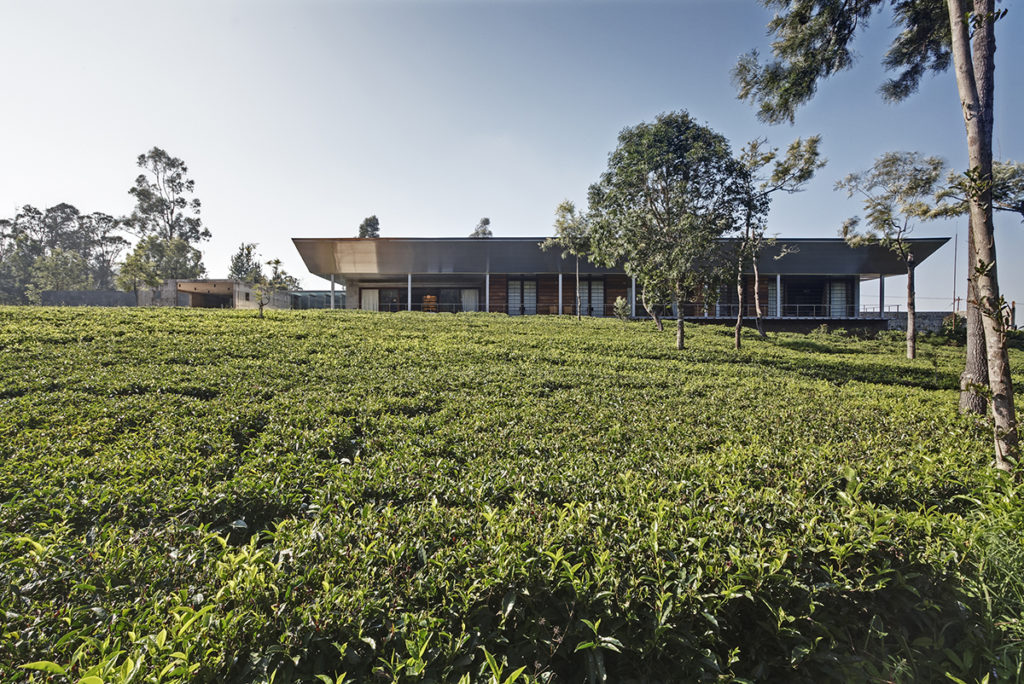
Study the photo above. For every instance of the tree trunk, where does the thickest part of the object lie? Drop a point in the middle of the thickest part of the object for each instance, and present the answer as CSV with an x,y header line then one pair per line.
x,y
911,310
975,373
652,312
757,301
739,299
978,122
680,339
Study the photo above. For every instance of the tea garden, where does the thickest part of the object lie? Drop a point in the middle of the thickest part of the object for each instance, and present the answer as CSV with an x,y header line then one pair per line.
x,y
193,495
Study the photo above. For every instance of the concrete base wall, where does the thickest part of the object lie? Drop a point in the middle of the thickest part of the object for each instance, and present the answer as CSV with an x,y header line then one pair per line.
x,y
926,321
86,298
165,295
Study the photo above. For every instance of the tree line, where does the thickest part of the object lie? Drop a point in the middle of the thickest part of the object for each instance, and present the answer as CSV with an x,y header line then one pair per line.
x,y
60,248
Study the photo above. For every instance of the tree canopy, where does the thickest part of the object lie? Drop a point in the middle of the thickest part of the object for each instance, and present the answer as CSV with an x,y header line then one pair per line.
x,y
162,204
370,227
30,242
672,190
813,41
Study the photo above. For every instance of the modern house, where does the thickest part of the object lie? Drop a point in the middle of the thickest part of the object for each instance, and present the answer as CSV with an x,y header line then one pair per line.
x,y
804,279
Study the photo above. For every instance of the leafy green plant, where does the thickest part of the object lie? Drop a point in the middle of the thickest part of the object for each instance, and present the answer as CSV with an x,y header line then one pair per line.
x,y
621,308
186,497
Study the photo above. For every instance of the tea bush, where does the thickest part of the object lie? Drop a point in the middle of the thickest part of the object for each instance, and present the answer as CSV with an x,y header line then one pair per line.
x,y
193,495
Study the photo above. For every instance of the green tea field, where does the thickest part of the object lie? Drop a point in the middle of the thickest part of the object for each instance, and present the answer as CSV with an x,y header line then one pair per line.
x,y
202,496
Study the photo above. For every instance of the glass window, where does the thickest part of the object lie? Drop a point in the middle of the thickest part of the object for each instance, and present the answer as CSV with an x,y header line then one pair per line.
x,y
522,297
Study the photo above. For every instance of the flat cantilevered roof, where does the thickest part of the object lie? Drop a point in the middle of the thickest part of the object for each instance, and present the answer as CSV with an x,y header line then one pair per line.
x,y
364,257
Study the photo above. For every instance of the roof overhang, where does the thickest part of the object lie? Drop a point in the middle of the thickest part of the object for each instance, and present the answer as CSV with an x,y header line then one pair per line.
x,y
818,256
373,257
355,257
216,287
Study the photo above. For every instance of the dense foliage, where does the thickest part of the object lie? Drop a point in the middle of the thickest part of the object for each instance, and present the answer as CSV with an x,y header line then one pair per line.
x,y
195,495
56,249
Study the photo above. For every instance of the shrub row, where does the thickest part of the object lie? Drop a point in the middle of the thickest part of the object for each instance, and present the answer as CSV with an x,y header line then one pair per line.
x,y
201,496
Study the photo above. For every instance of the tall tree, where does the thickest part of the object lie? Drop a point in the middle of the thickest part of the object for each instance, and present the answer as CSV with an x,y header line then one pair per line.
x,y
572,236
951,200
813,42
895,192
671,192
162,204
788,175
245,264
370,227
483,229
166,211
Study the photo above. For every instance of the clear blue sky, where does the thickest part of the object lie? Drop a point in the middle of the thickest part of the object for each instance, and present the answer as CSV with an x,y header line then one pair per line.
x,y
300,118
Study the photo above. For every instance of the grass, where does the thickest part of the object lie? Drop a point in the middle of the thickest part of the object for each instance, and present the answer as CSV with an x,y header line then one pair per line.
x,y
321,496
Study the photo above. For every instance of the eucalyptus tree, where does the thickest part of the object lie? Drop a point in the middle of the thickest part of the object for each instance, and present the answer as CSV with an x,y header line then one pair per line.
x,y
166,210
951,200
813,41
788,175
671,192
896,193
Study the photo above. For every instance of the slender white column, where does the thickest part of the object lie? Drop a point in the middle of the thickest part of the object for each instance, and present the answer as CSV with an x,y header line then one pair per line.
x,y
487,292
881,296
778,295
409,287
632,300
332,291
559,294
